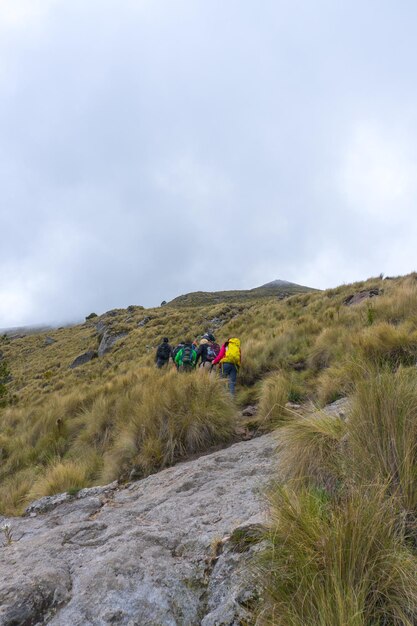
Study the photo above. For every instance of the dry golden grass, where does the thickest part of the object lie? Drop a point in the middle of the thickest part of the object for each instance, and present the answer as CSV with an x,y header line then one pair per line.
x,y
311,452
336,564
273,398
341,544
383,432
144,421
308,344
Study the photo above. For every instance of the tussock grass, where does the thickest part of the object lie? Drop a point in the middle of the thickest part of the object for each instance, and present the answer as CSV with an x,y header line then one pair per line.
x,y
336,565
332,344
273,397
172,417
61,476
341,544
143,420
384,343
383,432
400,302
310,450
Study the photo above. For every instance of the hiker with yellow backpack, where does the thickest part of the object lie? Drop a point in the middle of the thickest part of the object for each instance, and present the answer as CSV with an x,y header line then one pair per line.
x,y
229,358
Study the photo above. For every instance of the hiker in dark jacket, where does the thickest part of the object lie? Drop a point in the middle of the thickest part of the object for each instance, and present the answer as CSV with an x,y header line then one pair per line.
x,y
207,350
163,353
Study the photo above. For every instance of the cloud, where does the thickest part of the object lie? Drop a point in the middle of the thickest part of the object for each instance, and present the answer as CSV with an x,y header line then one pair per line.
x,y
149,149
21,13
379,173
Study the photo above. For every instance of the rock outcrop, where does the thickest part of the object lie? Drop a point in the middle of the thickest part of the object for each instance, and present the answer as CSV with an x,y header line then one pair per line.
x,y
167,550
108,341
86,357
360,296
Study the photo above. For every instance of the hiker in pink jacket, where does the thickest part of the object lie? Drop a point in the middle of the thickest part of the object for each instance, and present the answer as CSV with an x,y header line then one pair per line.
x,y
229,358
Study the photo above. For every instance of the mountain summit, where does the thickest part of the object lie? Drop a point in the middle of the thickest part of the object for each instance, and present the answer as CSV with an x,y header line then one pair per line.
x,y
277,283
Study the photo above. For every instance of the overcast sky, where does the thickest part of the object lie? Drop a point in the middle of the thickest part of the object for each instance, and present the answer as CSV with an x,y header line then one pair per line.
x,y
150,148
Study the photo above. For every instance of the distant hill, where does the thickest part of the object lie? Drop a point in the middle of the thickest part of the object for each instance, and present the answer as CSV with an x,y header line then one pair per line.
x,y
19,332
276,288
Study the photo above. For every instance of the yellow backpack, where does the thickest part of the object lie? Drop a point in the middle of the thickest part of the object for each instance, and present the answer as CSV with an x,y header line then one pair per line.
x,y
232,352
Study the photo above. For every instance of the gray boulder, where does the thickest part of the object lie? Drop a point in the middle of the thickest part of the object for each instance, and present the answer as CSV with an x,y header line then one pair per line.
x,y
360,296
83,358
144,321
101,328
108,341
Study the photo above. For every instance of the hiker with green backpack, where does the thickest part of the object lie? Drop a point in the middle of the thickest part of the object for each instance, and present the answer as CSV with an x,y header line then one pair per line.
x,y
229,358
186,357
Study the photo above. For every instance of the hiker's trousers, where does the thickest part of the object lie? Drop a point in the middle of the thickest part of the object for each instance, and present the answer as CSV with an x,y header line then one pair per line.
x,y
229,370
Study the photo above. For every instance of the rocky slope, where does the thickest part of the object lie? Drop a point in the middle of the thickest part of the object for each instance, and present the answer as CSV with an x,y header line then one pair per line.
x,y
167,550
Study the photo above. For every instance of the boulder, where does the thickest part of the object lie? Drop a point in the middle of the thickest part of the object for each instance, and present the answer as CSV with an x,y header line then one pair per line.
x,y
101,328
108,341
249,411
83,358
49,341
360,296
144,321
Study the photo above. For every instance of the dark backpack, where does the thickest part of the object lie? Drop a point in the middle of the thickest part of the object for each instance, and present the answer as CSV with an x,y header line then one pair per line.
x,y
188,356
213,350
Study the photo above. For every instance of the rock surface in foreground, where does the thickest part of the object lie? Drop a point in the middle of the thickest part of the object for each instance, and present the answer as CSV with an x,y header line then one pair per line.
x,y
155,553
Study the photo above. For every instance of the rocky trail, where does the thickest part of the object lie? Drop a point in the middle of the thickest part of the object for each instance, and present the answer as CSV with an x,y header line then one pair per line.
x,y
165,550
171,549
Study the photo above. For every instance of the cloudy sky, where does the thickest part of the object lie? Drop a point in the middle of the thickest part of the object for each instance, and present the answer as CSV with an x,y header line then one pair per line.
x,y
150,148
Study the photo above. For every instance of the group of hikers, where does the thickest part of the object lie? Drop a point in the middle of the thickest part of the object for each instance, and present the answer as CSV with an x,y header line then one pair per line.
x,y
206,354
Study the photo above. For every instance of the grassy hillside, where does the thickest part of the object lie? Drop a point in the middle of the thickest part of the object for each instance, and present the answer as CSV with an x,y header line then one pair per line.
x,y
63,428
341,542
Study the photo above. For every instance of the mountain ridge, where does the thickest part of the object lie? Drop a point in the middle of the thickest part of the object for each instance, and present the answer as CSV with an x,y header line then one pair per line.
x,y
276,288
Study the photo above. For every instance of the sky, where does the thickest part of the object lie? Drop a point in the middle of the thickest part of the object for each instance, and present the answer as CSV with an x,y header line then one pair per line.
x,y
152,148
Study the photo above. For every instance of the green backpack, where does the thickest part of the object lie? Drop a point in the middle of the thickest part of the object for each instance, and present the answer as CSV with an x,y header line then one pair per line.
x,y
188,357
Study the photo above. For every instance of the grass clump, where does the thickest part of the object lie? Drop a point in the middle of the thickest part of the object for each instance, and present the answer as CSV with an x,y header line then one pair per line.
x,y
171,417
336,565
61,476
387,344
342,536
383,432
311,452
143,420
273,398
